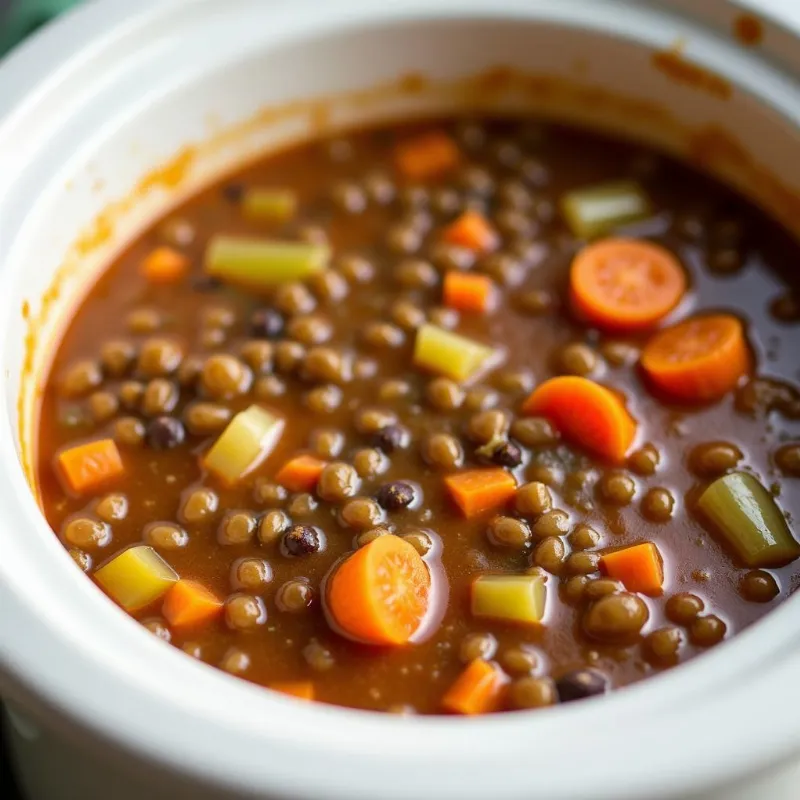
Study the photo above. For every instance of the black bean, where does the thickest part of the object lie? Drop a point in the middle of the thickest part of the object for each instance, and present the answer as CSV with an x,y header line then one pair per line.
x,y
395,495
581,683
233,192
266,323
391,438
164,433
301,540
506,454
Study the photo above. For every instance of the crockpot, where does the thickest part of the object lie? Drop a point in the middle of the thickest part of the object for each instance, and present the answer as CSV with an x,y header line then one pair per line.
x,y
116,112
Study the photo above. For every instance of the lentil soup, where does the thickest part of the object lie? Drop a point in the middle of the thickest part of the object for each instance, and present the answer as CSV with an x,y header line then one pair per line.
x,y
448,417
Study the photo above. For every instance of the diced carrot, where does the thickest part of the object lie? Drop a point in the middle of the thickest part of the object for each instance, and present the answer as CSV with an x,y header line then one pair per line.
x,y
165,265
639,567
189,603
700,359
304,690
466,292
586,413
477,690
380,594
473,231
625,284
301,473
426,156
86,467
480,490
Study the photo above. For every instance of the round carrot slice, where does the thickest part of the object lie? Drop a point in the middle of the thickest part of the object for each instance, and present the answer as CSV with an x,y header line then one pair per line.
x,y
625,284
700,359
586,413
380,594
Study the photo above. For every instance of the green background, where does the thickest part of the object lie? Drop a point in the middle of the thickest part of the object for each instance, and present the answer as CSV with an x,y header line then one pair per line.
x,y
25,16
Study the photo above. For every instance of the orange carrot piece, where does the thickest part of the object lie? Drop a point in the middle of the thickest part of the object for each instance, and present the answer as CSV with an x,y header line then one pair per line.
x,y
304,690
466,292
480,490
380,594
473,231
301,473
86,467
477,690
426,156
625,284
165,265
700,359
586,413
189,603
638,567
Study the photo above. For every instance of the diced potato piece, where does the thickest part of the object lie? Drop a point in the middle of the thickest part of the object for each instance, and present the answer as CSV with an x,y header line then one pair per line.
x,y
746,514
246,441
136,577
512,598
259,262
595,210
275,205
449,354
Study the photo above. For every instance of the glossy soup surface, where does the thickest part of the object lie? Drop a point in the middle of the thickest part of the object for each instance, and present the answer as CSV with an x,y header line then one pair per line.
x,y
332,355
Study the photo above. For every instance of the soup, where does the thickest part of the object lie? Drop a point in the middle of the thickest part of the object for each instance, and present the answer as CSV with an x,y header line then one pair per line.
x,y
462,416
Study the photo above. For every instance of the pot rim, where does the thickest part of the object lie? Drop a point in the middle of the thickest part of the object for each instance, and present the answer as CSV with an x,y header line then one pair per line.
x,y
195,720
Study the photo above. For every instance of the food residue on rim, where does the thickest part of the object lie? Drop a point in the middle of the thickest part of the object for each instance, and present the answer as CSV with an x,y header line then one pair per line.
x,y
675,65
748,30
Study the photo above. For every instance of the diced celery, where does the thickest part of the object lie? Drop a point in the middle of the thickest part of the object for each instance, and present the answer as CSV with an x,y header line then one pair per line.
x,y
595,210
136,577
274,205
260,262
246,441
746,514
449,354
512,598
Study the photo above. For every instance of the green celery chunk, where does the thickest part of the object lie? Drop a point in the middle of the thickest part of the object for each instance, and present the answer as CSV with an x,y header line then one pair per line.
x,y
512,598
260,262
136,577
246,441
748,517
595,210
449,354
274,205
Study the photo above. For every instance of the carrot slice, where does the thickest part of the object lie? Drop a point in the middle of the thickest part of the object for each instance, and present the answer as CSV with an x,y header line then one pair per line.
x,y
466,292
639,567
477,690
301,689
473,231
301,473
189,603
585,412
88,466
700,359
380,594
625,284
165,265
480,490
426,156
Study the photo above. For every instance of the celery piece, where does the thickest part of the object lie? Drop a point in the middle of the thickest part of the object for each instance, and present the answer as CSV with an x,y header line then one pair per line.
x,y
273,205
449,354
595,210
136,577
746,514
246,441
512,598
260,262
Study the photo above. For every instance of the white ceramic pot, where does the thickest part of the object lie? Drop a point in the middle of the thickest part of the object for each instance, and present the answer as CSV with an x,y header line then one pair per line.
x,y
95,103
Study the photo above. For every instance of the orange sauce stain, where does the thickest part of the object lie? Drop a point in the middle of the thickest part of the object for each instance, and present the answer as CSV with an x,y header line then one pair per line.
x,y
748,30
680,69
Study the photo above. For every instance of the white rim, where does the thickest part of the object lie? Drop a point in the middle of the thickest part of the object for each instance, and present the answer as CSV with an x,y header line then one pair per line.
x,y
194,719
